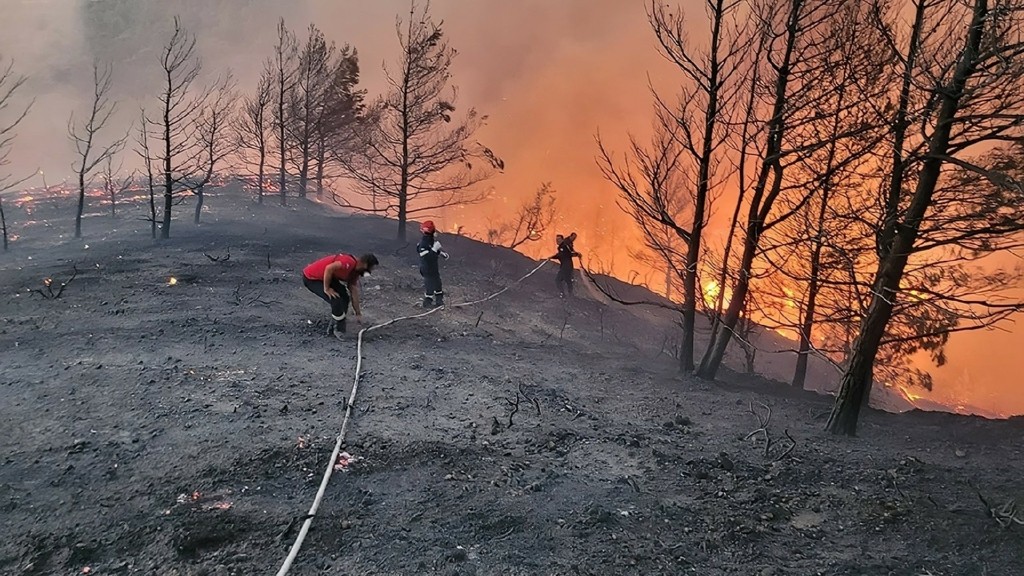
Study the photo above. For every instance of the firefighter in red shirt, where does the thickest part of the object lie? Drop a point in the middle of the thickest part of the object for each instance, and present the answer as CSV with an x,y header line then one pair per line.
x,y
336,280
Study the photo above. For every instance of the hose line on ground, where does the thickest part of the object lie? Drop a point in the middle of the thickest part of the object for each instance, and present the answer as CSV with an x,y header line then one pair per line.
x,y
294,552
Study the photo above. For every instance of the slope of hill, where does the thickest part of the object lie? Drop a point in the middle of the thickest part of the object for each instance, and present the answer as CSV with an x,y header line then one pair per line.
x,y
159,426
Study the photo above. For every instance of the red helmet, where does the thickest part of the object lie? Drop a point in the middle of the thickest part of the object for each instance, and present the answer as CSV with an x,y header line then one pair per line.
x,y
427,227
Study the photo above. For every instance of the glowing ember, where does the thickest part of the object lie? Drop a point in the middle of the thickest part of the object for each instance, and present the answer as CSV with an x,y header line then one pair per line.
x,y
47,282
186,498
171,282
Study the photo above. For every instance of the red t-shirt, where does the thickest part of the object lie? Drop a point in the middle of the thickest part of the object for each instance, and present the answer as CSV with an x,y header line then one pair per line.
x,y
345,273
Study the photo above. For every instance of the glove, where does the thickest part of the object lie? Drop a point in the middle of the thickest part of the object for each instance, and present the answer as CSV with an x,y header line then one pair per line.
x,y
444,255
436,247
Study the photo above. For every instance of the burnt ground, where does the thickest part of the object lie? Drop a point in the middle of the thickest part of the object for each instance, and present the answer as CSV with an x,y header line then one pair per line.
x,y
148,428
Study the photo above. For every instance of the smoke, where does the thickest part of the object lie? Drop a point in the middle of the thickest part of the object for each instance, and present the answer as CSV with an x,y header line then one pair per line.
x,y
548,75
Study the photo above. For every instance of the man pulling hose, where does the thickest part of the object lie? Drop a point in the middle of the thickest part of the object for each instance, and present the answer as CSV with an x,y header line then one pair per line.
x,y
336,280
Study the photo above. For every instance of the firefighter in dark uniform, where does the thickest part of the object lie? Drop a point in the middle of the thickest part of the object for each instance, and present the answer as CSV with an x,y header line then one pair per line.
x,y
430,252
566,252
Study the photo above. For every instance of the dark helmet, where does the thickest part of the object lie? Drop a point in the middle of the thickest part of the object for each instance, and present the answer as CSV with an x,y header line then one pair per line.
x,y
370,260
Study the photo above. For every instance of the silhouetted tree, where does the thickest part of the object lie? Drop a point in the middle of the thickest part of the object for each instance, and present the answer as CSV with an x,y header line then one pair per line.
x,y
955,100
10,83
114,187
530,221
415,153
253,131
795,39
181,106
216,141
308,100
142,149
282,68
88,152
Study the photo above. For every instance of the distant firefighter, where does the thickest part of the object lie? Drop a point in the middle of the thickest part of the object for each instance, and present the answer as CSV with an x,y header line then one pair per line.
x,y
430,251
336,280
566,252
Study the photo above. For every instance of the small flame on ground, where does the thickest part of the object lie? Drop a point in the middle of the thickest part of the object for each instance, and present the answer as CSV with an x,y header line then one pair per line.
x,y
172,281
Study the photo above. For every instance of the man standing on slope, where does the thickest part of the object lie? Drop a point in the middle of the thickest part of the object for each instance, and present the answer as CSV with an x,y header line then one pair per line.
x,y
336,280
566,252
429,250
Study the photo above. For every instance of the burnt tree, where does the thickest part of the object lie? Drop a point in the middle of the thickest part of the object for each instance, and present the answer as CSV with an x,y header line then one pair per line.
x,y
252,131
281,68
796,37
142,149
529,223
88,152
214,137
10,83
414,152
958,99
181,105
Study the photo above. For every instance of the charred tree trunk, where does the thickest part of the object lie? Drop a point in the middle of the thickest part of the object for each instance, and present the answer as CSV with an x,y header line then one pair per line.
x,y
261,170
858,379
700,201
81,204
716,349
321,153
3,223
165,230
403,192
807,324
283,60
760,202
689,306
152,206
199,203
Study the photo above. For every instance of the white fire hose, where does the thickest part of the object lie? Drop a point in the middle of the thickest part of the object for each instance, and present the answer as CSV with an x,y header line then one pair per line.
x,y
348,414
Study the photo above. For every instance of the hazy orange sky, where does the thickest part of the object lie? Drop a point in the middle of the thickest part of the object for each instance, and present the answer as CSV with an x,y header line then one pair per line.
x,y
549,74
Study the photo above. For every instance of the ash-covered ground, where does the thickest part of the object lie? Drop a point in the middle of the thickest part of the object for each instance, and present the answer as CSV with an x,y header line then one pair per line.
x,y
151,428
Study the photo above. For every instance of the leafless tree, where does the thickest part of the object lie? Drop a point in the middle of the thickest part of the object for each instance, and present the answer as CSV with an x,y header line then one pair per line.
x,y
794,251
114,187
416,154
797,36
282,68
960,100
308,99
142,149
88,152
176,129
252,131
10,83
671,183
664,251
529,223
215,138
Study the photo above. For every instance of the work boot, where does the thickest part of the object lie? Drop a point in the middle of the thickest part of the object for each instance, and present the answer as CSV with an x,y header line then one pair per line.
x,y
439,299
428,302
339,328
